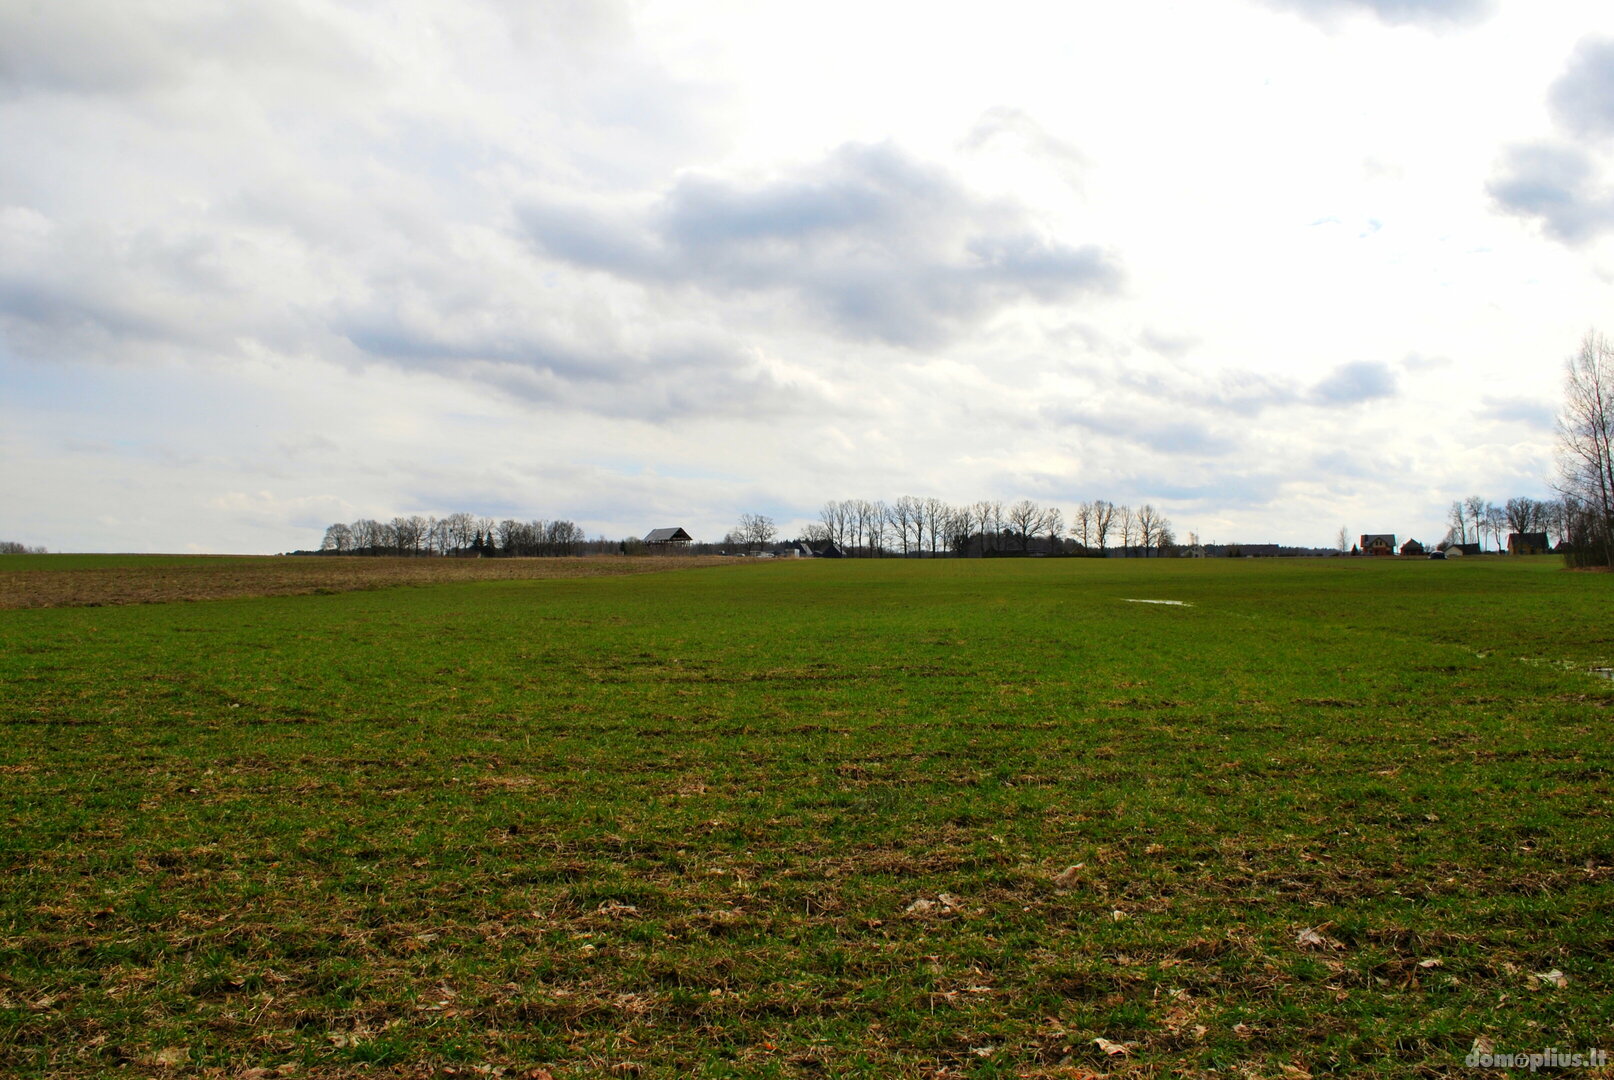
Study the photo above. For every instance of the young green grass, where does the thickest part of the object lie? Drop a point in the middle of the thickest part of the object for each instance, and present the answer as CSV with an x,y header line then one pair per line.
x,y
815,819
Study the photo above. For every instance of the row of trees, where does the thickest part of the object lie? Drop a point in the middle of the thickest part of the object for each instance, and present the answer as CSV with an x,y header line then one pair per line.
x,y
1586,453
454,534
912,526
1475,520
12,547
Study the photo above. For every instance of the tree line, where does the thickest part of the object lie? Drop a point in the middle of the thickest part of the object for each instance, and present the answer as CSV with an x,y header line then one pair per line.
x,y
457,534
930,527
1475,520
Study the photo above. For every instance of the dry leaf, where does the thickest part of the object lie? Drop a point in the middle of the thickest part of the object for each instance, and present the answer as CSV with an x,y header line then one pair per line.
x,y
1296,1072
1432,962
1114,1049
1313,938
1554,977
1483,1045
171,1055
1069,876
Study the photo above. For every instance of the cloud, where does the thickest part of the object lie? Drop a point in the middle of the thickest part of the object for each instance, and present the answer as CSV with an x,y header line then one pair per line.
x,y
137,46
870,243
1582,98
1171,434
1352,384
1537,414
1556,184
1005,127
1557,181
1394,12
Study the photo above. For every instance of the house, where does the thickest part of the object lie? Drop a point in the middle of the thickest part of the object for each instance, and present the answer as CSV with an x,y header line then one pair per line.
x,y
1377,544
1533,543
664,540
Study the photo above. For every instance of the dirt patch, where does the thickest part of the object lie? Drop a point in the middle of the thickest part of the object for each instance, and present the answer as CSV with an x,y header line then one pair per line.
x,y
166,581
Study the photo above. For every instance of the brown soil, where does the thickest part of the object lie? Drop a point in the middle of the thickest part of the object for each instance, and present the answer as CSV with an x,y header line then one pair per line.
x,y
281,575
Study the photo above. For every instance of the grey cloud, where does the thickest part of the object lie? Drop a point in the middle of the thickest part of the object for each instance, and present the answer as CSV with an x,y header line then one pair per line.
x,y
1395,12
1002,124
1536,414
1168,434
678,376
869,241
1241,393
1583,97
1352,384
1556,184
1555,181
1174,346
1219,492
85,47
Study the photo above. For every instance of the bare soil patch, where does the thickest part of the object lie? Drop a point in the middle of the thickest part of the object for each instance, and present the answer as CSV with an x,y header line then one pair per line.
x,y
167,580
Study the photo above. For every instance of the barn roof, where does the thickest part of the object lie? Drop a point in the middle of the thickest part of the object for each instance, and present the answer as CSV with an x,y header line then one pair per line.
x,y
668,536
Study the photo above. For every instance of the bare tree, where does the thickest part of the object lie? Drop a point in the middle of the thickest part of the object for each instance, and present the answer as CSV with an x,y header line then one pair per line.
x,y
1525,514
878,518
1103,519
1053,523
1343,540
1025,520
1586,449
1128,523
1474,507
862,517
1147,521
833,516
1495,523
338,538
1081,524
907,515
757,530
938,522
1457,523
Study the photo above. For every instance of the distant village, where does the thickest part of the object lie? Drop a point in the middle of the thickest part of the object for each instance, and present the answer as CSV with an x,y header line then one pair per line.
x,y
914,528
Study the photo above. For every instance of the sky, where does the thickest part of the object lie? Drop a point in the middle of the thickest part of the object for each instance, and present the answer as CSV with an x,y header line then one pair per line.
x,y
1276,267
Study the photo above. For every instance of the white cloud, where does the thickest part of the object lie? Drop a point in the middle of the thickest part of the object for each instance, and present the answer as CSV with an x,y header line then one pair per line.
x,y
637,263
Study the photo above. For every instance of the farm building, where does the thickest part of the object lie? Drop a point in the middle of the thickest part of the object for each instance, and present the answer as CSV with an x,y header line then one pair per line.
x,y
674,539
1378,544
1532,543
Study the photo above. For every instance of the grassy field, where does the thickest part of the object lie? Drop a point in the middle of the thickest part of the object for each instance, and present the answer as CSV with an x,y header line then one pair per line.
x,y
814,819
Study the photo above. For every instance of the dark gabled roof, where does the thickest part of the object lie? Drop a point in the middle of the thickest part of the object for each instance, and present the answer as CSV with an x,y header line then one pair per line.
x,y
668,536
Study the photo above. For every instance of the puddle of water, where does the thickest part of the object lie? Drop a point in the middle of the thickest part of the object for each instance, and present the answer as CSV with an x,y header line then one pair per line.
x,y
1173,603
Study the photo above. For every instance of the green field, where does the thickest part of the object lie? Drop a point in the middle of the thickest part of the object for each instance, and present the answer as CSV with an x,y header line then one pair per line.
x,y
815,819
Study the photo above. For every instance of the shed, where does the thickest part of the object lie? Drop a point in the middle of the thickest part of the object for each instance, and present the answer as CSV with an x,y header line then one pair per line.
x,y
668,539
